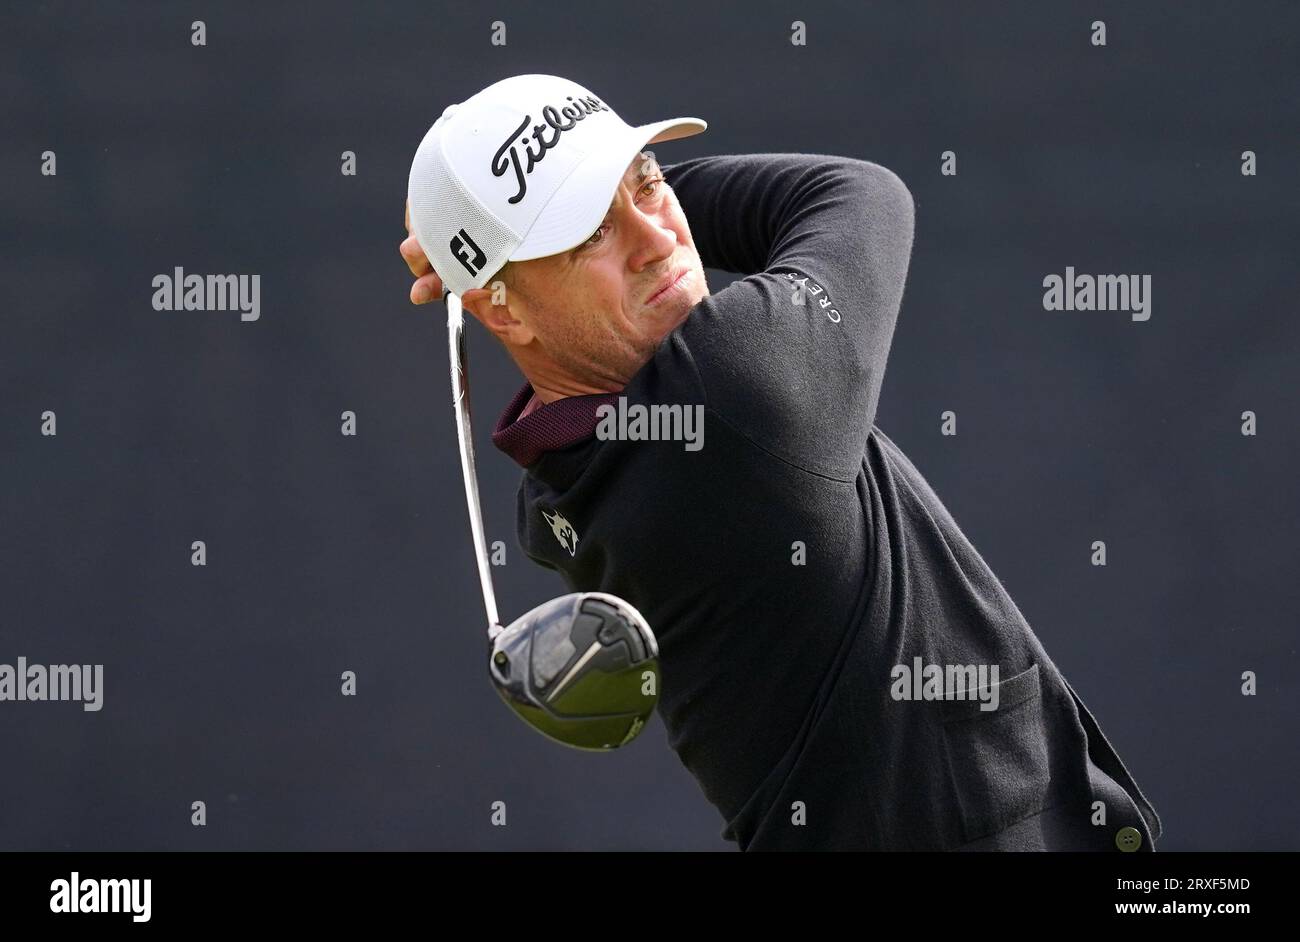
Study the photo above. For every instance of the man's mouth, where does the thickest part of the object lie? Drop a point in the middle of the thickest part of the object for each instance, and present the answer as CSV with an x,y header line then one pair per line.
x,y
669,286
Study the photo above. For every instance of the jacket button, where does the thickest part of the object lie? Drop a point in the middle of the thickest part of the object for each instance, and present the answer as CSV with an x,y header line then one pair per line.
x,y
1128,839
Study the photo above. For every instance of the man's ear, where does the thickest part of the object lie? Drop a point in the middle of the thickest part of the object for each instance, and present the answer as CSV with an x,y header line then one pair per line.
x,y
498,317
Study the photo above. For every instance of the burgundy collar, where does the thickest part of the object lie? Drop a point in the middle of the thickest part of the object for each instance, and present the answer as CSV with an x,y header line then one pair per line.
x,y
550,426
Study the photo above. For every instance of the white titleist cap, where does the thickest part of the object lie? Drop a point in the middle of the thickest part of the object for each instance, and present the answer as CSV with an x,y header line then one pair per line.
x,y
524,169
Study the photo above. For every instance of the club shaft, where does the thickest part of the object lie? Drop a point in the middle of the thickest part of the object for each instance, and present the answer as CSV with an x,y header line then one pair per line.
x,y
460,402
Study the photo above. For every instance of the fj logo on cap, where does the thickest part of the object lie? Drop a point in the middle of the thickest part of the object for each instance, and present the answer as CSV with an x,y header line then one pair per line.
x,y
574,113
467,252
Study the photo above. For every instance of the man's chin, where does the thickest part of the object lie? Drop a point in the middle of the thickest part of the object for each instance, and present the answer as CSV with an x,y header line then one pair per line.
x,y
668,318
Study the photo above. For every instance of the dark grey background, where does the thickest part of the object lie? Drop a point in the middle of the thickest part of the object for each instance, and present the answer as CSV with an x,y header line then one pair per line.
x,y
328,553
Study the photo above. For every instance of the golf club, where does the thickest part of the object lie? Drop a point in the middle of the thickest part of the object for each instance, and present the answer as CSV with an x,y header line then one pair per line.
x,y
582,669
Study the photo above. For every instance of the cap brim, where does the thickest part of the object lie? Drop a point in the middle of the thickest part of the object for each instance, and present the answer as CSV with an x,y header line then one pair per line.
x,y
578,205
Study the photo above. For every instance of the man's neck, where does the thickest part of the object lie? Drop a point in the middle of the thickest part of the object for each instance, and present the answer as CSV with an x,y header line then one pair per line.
x,y
548,393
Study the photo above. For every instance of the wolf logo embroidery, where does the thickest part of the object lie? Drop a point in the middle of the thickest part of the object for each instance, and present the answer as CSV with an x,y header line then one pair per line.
x,y
563,531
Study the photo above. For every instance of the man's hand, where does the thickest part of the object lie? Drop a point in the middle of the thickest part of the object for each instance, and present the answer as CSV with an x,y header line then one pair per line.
x,y
428,286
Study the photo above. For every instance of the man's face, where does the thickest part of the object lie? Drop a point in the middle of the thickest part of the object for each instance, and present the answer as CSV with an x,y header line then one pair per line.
x,y
596,312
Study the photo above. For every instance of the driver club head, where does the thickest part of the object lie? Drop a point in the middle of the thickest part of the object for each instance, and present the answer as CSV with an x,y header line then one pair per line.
x,y
582,669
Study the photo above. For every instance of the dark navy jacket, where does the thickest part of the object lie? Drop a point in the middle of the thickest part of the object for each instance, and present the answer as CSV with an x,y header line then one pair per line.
x,y
792,562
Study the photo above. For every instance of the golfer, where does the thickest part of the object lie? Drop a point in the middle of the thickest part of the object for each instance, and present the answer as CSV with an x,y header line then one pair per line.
x,y
841,669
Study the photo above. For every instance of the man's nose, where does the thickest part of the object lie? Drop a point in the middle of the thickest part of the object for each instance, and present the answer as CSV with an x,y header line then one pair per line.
x,y
653,240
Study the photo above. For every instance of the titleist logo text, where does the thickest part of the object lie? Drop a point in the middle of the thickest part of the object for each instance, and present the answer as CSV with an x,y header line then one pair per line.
x,y
507,155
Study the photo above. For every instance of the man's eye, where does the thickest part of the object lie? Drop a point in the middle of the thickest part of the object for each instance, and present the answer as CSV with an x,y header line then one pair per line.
x,y
592,242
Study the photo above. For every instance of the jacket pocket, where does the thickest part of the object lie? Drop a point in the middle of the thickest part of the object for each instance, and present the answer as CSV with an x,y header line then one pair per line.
x,y
998,759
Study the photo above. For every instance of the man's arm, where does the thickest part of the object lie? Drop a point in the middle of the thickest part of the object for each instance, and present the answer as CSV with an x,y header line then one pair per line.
x,y
802,379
